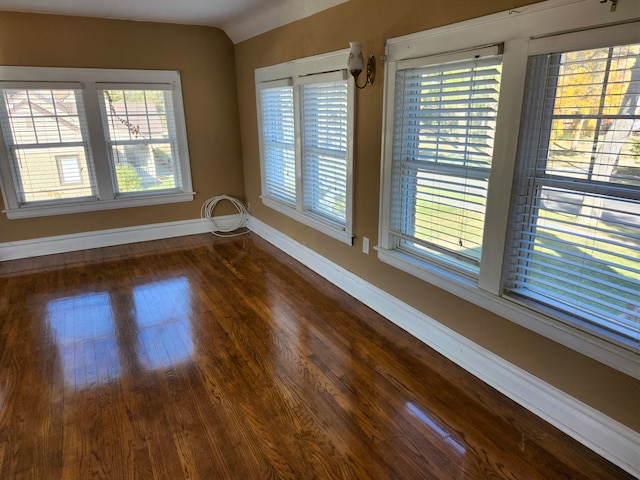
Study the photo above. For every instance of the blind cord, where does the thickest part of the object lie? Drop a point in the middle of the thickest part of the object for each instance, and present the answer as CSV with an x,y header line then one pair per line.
x,y
207,210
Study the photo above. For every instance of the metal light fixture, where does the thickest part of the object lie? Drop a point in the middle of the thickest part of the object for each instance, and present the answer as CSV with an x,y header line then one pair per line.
x,y
356,65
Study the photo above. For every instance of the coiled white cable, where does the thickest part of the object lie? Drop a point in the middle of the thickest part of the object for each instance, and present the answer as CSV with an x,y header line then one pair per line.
x,y
206,212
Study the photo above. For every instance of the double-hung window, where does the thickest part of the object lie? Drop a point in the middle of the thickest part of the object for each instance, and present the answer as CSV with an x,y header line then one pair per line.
x,y
305,111
576,209
88,139
445,117
511,170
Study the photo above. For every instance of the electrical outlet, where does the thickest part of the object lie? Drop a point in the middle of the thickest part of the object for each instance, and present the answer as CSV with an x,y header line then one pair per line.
x,y
365,245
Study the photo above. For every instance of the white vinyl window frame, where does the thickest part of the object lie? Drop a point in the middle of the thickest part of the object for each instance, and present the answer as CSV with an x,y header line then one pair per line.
x,y
552,26
88,81
293,190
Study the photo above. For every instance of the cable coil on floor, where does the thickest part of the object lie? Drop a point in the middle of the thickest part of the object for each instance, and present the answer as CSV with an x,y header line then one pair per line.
x,y
206,212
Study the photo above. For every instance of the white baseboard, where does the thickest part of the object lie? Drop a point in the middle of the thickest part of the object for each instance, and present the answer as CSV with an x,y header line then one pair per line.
x,y
107,238
610,439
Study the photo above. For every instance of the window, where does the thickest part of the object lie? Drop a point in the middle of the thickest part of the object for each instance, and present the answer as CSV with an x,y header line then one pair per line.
x,y
109,139
46,142
511,171
445,118
576,220
305,111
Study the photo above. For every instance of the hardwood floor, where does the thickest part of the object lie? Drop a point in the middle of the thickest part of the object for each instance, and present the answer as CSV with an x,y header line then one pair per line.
x,y
203,358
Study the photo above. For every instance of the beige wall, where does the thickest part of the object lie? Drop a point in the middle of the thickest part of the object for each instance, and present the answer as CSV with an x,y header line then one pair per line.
x,y
371,22
205,59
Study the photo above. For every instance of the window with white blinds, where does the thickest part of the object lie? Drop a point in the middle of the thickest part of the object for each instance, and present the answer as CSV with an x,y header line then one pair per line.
x,y
141,137
106,139
305,115
325,149
576,209
445,117
46,142
278,137
511,171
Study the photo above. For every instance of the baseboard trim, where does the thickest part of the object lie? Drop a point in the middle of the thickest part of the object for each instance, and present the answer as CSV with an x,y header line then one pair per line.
x,y
608,438
107,238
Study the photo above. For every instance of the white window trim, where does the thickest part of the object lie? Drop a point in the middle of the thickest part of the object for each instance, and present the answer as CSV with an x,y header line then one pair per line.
x,y
89,80
530,30
299,72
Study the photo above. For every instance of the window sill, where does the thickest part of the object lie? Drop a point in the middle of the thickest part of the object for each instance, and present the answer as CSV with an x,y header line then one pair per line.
x,y
332,230
96,205
617,353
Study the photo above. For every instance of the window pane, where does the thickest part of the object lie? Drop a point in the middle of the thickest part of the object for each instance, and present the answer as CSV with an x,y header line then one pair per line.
x,y
576,215
40,128
142,139
325,149
444,128
594,134
278,133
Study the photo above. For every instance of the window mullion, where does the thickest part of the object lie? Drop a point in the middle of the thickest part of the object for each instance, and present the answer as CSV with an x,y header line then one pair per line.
x,y
104,179
502,173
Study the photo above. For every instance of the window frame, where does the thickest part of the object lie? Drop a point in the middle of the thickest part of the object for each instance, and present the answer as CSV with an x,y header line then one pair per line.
x,y
548,27
297,73
105,197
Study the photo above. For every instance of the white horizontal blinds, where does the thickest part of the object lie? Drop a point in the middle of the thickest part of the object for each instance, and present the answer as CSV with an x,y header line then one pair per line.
x,y
443,145
45,134
325,149
279,150
576,212
141,137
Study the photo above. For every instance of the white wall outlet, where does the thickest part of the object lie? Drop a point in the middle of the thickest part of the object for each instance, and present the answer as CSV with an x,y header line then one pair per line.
x,y
365,245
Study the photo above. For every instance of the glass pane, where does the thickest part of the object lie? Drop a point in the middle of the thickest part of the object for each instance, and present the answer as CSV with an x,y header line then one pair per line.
x,y
42,116
583,256
445,212
142,167
43,174
137,114
595,121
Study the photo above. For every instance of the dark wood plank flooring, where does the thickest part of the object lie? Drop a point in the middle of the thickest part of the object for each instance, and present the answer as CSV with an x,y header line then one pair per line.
x,y
204,358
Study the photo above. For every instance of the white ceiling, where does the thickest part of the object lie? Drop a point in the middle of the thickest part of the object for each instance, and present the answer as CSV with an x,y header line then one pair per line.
x,y
240,19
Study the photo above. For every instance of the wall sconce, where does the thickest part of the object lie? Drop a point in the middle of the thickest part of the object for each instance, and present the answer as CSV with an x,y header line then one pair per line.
x,y
356,64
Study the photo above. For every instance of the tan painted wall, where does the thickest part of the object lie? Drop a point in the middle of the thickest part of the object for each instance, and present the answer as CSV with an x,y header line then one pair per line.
x,y
205,58
371,22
